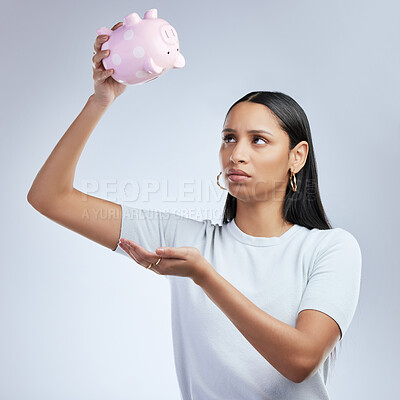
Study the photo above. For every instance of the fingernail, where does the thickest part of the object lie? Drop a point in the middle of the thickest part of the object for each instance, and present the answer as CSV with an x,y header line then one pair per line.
x,y
104,37
160,250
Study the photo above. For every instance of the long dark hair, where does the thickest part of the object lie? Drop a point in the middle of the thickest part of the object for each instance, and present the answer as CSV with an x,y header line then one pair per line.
x,y
303,207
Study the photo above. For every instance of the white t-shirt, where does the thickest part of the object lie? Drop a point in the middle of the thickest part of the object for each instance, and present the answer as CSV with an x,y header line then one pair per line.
x,y
301,269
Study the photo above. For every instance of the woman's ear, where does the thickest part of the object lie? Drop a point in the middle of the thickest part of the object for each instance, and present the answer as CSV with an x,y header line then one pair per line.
x,y
298,156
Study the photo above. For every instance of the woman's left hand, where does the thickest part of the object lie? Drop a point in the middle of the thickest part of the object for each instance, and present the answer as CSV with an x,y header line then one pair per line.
x,y
179,261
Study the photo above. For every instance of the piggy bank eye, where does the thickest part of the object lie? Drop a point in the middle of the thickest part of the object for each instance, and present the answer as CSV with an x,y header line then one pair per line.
x,y
177,49
168,53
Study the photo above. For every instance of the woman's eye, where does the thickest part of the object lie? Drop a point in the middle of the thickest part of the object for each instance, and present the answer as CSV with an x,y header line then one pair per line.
x,y
259,138
225,138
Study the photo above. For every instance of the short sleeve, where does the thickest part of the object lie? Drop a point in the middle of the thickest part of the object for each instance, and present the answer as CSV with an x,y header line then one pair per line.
x,y
152,229
334,283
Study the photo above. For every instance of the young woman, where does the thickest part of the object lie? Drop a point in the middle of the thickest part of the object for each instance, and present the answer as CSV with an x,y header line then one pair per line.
x,y
259,302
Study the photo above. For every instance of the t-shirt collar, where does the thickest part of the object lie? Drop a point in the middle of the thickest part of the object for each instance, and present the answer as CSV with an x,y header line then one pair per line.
x,y
234,230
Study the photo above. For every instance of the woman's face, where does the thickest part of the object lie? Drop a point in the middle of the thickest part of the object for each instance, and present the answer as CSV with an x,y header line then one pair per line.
x,y
264,156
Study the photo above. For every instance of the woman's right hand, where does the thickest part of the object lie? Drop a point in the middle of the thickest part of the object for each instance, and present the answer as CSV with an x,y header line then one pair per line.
x,y
106,89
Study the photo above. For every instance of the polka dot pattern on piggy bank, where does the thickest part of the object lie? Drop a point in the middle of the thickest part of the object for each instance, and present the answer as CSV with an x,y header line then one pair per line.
x,y
141,49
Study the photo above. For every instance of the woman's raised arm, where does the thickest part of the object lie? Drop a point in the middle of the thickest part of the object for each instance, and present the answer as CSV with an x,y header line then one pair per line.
x,y
52,192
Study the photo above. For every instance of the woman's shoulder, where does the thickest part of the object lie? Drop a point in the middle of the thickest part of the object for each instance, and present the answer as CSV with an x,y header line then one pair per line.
x,y
336,233
332,239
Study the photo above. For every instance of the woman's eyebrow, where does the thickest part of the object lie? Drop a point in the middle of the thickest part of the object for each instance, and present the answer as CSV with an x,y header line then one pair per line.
x,y
251,131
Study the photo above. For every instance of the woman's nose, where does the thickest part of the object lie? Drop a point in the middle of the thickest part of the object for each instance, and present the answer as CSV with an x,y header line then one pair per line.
x,y
238,154
236,160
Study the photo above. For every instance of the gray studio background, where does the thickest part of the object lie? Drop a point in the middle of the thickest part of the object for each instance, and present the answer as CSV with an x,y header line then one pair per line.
x,y
81,322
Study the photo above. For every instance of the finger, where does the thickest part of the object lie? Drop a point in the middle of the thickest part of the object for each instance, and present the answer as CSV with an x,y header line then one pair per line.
x,y
179,253
144,262
138,254
99,41
144,256
100,76
138,247
128,251
163,264
116,26
98,57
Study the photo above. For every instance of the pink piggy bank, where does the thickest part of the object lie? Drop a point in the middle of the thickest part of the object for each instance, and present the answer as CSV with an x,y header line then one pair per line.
x,y
141,49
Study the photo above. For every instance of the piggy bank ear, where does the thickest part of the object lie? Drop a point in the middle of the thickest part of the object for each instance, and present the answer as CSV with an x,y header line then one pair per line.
x,y
151,14
179,62
132,19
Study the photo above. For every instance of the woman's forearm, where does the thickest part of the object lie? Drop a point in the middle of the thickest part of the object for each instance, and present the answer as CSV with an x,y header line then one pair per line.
x,y
287,349
56,176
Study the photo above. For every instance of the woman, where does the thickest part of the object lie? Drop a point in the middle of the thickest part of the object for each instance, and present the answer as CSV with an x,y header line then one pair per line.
x,y
271,291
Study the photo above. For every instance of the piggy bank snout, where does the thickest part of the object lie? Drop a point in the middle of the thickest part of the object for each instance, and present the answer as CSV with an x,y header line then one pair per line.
x,y
168,34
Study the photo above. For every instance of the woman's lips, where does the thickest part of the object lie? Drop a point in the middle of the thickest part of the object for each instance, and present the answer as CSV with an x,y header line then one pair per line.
x,y
238,178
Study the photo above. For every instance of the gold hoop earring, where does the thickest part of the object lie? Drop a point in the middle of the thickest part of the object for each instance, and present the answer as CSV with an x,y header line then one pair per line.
x,y
292,175
218,181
